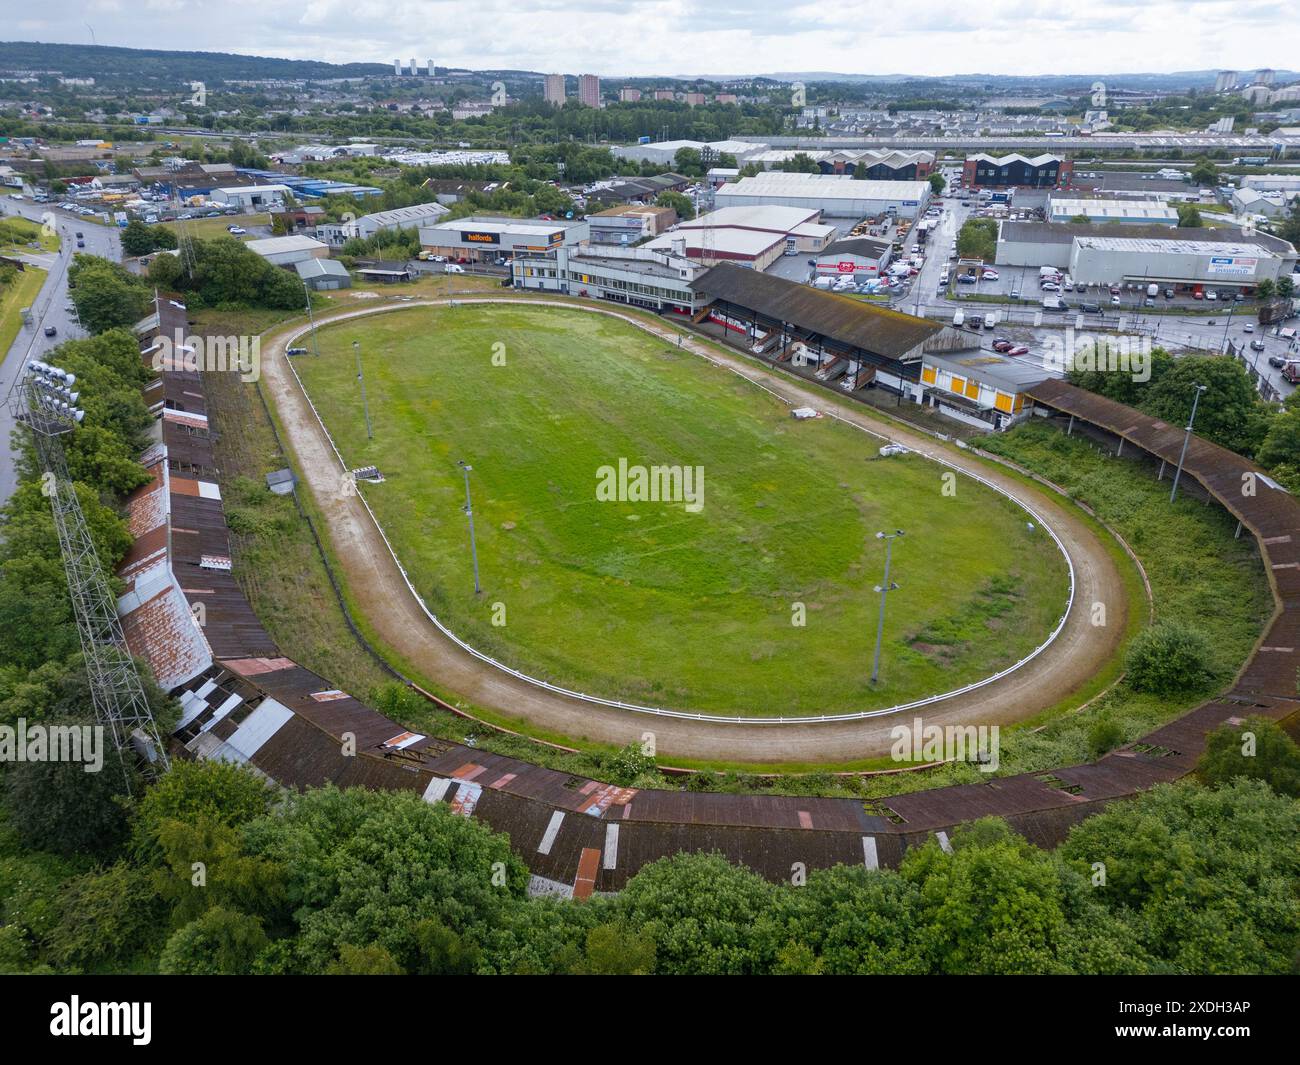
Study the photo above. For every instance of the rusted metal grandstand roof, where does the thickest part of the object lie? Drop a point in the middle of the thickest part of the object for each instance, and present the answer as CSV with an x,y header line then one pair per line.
x,y
577,834
889,334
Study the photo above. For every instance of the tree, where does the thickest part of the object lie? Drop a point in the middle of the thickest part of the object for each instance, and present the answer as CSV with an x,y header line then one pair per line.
x,y
60,807
1204,879
679,203
106,918
373,960
800,163
1170,658
222,792
381,863
618,950
994,905
1258,750
850,920
1264,289
219,943
105,295
688,161
700,910
137,238
1282,444
1285,286
937,184
1229,413
1204,172
1189,216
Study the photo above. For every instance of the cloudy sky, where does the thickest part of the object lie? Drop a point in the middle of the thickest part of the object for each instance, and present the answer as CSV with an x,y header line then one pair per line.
x,y
697,36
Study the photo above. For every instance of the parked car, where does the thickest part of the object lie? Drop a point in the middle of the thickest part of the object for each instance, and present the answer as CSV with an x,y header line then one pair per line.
x,y
1211,296
296,351
1002,344
1019,350
79,234
1090,308
989,275
453,268
1115,290
1276,361
1050,286
50,331
1114,301
1249,327
967,279
81,244
1169,293
236,231
1256,345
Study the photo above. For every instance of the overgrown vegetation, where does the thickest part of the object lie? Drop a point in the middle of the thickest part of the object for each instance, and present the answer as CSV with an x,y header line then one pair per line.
x,y
1184,879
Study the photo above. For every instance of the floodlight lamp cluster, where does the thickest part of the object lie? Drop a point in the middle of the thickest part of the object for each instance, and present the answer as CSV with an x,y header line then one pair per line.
x,y
52,390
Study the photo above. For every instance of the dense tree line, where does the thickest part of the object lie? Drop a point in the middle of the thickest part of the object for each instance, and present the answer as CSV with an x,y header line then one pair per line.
x,y
1185,879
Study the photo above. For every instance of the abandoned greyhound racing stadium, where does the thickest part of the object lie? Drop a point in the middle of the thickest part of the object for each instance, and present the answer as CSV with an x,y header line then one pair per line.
x,y
489,503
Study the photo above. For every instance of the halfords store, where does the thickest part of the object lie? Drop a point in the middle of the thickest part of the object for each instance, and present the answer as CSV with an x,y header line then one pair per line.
x,y
481,239
1191,263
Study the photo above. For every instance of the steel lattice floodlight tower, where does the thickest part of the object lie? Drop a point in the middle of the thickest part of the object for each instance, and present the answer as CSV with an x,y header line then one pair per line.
x,y
43,400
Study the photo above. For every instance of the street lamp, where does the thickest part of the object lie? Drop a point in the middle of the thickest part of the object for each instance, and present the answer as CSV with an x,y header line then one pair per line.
x,y
1196,398
884,589
365,406
469,513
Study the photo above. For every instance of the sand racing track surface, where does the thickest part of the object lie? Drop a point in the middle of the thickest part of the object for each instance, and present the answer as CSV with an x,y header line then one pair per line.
x,y
380,591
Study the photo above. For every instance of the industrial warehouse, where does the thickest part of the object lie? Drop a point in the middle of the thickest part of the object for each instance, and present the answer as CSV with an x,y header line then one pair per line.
x,y
835,196
755,236
1016,171
1181,258
479,238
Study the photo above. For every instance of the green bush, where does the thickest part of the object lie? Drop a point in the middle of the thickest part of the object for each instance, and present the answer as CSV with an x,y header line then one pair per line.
x,y
1170,658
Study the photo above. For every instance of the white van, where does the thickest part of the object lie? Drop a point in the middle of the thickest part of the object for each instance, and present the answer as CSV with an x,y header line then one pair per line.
x,y
991,319
958,319
1153,290
452,268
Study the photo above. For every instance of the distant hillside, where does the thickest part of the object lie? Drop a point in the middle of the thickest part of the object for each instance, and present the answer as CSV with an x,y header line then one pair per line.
x,y
139,66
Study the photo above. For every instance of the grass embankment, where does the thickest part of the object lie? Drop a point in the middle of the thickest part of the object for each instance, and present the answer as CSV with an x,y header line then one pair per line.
x,y
757,604
27,232
19,293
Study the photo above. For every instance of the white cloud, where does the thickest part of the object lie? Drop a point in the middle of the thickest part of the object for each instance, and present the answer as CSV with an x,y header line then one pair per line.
x,y
614,37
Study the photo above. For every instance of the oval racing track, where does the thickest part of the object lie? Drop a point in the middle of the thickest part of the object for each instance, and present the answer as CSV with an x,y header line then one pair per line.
x,y
403,625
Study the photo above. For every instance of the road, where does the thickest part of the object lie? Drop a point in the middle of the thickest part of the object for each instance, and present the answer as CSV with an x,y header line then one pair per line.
x,y
381,593
1199,332
51,307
